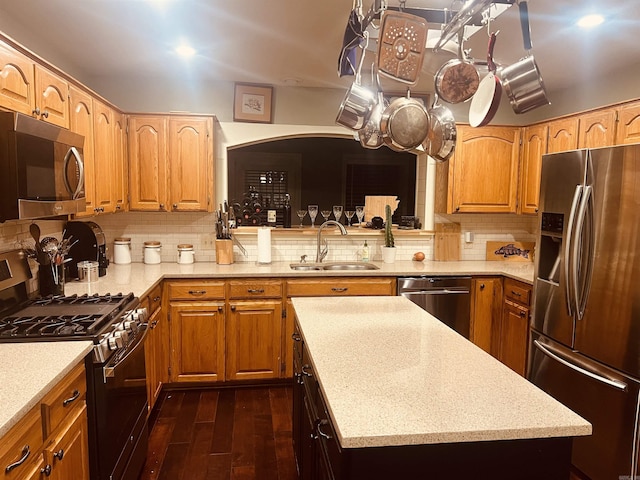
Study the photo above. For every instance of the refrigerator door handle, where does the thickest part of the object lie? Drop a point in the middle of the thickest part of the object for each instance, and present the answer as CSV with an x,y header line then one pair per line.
x,y
581,288
557,356
568,278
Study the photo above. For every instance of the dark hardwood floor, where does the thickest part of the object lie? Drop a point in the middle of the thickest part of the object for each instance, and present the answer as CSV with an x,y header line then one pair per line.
x,y
226,433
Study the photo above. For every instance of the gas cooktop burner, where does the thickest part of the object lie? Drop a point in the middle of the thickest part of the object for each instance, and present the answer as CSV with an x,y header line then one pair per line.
x,y
52,326
82,299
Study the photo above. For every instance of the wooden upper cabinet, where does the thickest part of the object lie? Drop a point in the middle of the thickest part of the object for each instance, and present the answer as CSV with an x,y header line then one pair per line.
x,y
104,158
121,164
563,135
148,162
17,83
534,146
191,163
81,122
485,170
52,97
628,130
597,129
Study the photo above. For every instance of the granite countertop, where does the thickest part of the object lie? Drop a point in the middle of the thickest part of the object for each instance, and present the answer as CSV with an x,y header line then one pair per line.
x,y
28,371
140,278
392,374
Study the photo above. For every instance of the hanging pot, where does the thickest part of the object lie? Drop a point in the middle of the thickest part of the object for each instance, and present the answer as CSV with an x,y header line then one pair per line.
x,y
457,80
353,36
404,123
486,100
370,136
441,139
358,102
522,81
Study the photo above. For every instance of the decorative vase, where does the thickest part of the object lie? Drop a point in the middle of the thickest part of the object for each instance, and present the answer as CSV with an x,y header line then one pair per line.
x,y
388,254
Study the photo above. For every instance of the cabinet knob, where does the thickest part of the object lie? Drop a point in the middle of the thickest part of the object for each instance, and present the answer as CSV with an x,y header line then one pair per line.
x,y
45,114
457,209
161,206
219,309
233,308
296,337
523,313
175,206
36,111
46,470
482,286
155,299
59,454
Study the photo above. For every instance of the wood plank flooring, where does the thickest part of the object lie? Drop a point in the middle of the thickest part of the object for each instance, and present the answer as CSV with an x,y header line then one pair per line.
x,y
227,433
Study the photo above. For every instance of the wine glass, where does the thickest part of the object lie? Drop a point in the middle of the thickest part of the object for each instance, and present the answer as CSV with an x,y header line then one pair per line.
x,y
349,214
360,214
337,212
325,214
301,214
313,213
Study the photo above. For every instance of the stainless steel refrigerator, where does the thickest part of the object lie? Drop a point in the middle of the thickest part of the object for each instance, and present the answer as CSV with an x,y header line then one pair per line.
x,y
585,330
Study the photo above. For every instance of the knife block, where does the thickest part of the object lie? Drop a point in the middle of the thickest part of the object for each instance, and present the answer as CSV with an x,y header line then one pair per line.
x,y
224,252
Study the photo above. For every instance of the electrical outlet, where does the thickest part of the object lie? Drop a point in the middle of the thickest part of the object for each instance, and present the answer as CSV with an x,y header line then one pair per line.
x,y
207,241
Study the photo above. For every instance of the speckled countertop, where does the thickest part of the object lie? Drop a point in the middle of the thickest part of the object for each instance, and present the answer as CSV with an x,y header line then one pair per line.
x,y
139,278
29,370
394,375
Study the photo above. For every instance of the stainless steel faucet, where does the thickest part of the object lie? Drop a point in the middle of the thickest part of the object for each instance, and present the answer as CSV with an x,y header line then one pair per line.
x,y
321,253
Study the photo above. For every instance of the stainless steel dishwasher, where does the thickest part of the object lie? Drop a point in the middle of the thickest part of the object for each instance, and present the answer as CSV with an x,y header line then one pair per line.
x,y
446,298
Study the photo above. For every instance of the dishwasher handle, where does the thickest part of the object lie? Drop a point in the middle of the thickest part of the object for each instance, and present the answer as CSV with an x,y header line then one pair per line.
x,y
443,291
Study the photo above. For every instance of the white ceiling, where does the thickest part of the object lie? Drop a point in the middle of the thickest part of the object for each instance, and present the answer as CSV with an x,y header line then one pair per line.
x,y
275,41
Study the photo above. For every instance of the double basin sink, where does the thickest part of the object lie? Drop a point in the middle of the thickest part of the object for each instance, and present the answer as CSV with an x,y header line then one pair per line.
x,y
334,266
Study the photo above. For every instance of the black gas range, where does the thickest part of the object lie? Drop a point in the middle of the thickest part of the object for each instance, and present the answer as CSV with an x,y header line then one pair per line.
x,y
116,378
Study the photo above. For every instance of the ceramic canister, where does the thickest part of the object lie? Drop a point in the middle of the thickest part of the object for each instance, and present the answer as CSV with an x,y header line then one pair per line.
x,y
152,252
122,250
185,253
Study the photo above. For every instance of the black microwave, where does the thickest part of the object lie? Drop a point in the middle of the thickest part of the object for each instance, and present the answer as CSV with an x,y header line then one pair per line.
x,y
42,169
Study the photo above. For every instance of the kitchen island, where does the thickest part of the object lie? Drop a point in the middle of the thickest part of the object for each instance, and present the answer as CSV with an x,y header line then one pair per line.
x,y
398,392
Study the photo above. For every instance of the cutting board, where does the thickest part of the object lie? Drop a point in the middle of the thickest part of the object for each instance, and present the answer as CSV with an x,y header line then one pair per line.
x,y
510,251
447,242
374,205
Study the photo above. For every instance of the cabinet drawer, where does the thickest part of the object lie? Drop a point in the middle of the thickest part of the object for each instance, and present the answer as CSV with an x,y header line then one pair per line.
x,y
25,437
155,299
68,394
516,291
339,286
255,288
196,290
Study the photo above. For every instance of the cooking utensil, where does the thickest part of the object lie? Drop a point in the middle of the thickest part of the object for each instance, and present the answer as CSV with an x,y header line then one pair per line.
x,y
358,102
370,135
441,139
41,257
522,81
457,80
353,35
486,100
404,123
401,46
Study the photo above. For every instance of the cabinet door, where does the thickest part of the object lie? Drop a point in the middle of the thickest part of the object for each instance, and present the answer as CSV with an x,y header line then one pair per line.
x,y
17,82
52,97
628,130
563,135
514,336
597,129
148,163
486,305
197,341
81,122
121,165
68,454
254,341
191,160
534,145
486,169
104,157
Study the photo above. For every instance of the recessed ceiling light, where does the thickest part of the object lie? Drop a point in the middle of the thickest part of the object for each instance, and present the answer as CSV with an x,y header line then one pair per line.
x,y
591,20
185,51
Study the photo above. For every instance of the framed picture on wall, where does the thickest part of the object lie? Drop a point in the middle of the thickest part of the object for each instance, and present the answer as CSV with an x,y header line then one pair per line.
x,y
252,103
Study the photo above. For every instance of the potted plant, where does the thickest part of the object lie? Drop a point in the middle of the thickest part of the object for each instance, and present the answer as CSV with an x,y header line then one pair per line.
x,y
389,249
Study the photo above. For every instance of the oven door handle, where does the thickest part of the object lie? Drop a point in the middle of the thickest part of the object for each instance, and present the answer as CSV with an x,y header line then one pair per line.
x,y
109,371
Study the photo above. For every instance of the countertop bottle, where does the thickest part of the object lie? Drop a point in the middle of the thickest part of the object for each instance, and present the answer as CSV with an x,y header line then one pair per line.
x,y
286,221
271,213
365,252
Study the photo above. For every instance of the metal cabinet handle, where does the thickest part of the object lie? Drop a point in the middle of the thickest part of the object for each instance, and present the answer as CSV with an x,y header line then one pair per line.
x,y
74,396
255,290
517,294
523,313
45,114
36,111
26,451
175,206
59,454
219,309
46,470
155,299
161,206
233,308
296,337
339,289
153,325
304,372
326,436
197,292
482,286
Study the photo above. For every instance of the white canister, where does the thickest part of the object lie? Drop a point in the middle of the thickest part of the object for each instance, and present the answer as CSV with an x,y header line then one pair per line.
x,y
122,250
185,253
152,252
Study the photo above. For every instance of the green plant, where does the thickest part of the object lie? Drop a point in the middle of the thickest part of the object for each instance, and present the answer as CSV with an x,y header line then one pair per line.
x,y
388,235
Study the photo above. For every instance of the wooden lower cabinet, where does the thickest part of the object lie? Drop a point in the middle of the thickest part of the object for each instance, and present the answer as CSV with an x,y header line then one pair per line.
x,y
68,453
486,304
512,347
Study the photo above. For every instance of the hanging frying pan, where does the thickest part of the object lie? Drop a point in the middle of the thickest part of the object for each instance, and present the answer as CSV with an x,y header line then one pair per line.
x,y
457,80
522,81
404,123
486,100
353,36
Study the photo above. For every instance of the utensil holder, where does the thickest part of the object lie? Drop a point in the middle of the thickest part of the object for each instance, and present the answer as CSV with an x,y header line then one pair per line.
x,y
224,252
50,279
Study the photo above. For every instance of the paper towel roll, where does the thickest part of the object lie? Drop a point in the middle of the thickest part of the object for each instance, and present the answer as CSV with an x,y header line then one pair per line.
x,y
264,245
